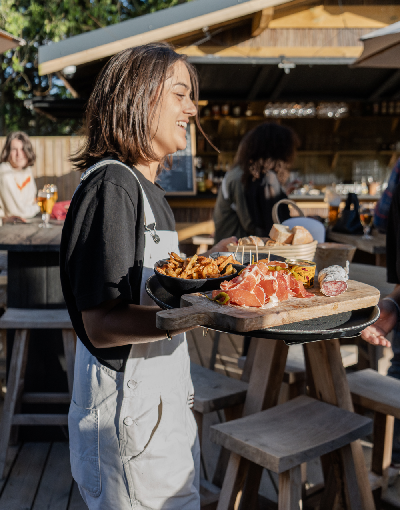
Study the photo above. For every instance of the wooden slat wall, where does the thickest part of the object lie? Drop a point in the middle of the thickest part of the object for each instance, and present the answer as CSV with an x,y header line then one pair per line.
x,y
52,163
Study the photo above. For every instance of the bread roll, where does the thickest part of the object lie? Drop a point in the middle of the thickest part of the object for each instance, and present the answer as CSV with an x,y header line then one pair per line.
x,y
281,234
301,235
251,241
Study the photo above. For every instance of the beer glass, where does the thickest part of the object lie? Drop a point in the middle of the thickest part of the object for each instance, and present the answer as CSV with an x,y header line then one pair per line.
x,y
367,217
46,199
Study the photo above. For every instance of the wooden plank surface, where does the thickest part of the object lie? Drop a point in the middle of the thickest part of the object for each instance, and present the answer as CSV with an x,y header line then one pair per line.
x,y
198,310
30,237
376,245
375,391
15,318
284,436
56,482
213,391
188,230
21,487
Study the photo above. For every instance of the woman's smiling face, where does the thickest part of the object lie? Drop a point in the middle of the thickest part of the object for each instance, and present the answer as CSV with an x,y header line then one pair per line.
x,y
168,130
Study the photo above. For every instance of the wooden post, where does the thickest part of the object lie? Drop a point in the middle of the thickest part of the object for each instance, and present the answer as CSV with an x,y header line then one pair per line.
x,y
69,341
14,391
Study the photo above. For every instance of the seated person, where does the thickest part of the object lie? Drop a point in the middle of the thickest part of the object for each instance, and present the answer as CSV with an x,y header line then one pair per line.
x,y
256,182
17,184
382,207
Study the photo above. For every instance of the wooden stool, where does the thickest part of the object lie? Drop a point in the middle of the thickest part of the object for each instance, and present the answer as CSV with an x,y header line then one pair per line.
x,y
283,437
215,392
23,321
381,394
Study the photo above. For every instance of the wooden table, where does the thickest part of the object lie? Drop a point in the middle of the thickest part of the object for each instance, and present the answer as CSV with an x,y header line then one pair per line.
x,y
34,282
33,264
376,245
188,230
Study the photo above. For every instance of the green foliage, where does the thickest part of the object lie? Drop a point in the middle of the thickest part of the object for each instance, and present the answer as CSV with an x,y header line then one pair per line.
x,y
40,22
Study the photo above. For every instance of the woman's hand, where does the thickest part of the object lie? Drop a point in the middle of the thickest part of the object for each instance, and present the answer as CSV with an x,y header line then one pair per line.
x,y
376,333
13,219
221,245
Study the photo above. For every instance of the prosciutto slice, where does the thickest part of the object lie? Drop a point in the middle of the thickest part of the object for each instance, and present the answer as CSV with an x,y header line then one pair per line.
x,y
262,283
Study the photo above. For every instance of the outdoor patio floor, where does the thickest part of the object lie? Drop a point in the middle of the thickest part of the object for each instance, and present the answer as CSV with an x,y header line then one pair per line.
x,y
39,475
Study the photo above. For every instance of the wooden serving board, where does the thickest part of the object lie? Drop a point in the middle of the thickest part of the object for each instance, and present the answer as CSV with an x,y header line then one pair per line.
x,y
197,310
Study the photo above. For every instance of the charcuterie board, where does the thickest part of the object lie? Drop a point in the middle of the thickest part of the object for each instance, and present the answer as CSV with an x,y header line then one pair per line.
x,y
197,310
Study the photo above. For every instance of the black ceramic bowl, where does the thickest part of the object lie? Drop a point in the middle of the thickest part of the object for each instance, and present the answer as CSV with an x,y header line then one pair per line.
x,y
180,286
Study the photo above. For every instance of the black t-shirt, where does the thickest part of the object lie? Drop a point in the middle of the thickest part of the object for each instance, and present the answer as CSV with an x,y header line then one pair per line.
x,y
393,239
102,246
260,207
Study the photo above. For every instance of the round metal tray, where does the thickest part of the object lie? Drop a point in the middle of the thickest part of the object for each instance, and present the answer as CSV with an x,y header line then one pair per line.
x,y
341,325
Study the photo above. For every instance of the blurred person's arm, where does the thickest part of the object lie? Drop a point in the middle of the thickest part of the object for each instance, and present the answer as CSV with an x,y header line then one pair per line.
x,y
382,207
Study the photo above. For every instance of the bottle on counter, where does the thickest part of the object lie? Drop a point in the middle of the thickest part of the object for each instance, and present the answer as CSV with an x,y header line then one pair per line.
x,y
200,176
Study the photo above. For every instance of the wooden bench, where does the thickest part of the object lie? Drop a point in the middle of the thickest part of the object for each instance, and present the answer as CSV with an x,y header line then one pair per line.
x,y
283,437
380,394
23,321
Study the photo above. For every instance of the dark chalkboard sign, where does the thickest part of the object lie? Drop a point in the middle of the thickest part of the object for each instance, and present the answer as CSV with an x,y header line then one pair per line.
x,y
181,178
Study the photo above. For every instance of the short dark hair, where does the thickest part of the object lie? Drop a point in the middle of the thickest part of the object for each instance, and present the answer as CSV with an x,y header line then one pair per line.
x,y
263,147
123,104
26,145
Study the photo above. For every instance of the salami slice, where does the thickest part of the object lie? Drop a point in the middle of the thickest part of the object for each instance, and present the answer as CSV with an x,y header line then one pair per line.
x,y
333,288
332,280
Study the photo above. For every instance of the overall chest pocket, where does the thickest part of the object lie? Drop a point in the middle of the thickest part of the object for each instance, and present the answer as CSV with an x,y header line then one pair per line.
x,y
83,425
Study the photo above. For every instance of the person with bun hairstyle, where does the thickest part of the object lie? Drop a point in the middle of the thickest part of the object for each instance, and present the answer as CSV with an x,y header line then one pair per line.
x,y
133,437
256,182
17,184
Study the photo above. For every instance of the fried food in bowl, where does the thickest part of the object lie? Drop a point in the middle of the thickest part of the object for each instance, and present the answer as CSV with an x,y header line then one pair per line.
x,y
195,274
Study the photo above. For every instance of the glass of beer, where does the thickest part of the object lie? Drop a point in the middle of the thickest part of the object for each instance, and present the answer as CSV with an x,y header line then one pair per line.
x,y
46,199
367,217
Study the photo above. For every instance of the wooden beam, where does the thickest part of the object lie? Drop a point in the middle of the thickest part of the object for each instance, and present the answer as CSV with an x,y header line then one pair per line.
x,y
386,85
67,84
258,83
159,34
261,20
330,16
279,86
273,51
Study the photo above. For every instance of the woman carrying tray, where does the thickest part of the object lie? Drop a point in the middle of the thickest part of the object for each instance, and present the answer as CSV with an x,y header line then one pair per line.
x,y
133,438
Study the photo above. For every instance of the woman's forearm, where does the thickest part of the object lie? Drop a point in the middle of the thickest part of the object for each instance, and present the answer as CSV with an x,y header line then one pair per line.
x,y
122,324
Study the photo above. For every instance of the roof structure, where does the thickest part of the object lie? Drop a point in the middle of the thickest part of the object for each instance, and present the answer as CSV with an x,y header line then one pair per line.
x,y
8,41
158,26
244,50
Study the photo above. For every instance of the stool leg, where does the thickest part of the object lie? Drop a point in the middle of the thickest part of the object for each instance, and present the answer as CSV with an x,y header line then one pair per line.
x,y
231,413
330,383
214,351
382,450
14,390
233,482
68,336
289,497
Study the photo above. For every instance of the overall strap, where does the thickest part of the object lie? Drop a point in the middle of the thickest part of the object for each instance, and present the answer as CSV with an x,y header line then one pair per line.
x,y
149,220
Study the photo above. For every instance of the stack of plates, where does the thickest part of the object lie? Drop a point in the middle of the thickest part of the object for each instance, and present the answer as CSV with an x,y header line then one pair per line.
x,y
298,251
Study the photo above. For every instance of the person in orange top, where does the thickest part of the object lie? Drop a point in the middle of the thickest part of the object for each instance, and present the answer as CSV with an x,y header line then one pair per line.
x,y
17,184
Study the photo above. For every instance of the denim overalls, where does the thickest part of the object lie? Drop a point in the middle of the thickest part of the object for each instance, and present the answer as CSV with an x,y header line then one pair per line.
x,y
133,437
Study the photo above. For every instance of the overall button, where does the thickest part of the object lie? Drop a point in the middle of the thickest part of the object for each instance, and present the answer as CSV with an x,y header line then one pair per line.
x,y
132,384
128,421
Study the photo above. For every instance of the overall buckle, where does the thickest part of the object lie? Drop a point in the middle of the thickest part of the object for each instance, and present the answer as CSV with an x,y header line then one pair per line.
x,y
152,229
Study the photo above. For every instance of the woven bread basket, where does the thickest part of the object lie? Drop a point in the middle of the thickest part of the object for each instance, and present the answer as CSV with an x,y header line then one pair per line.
x,y
297,251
